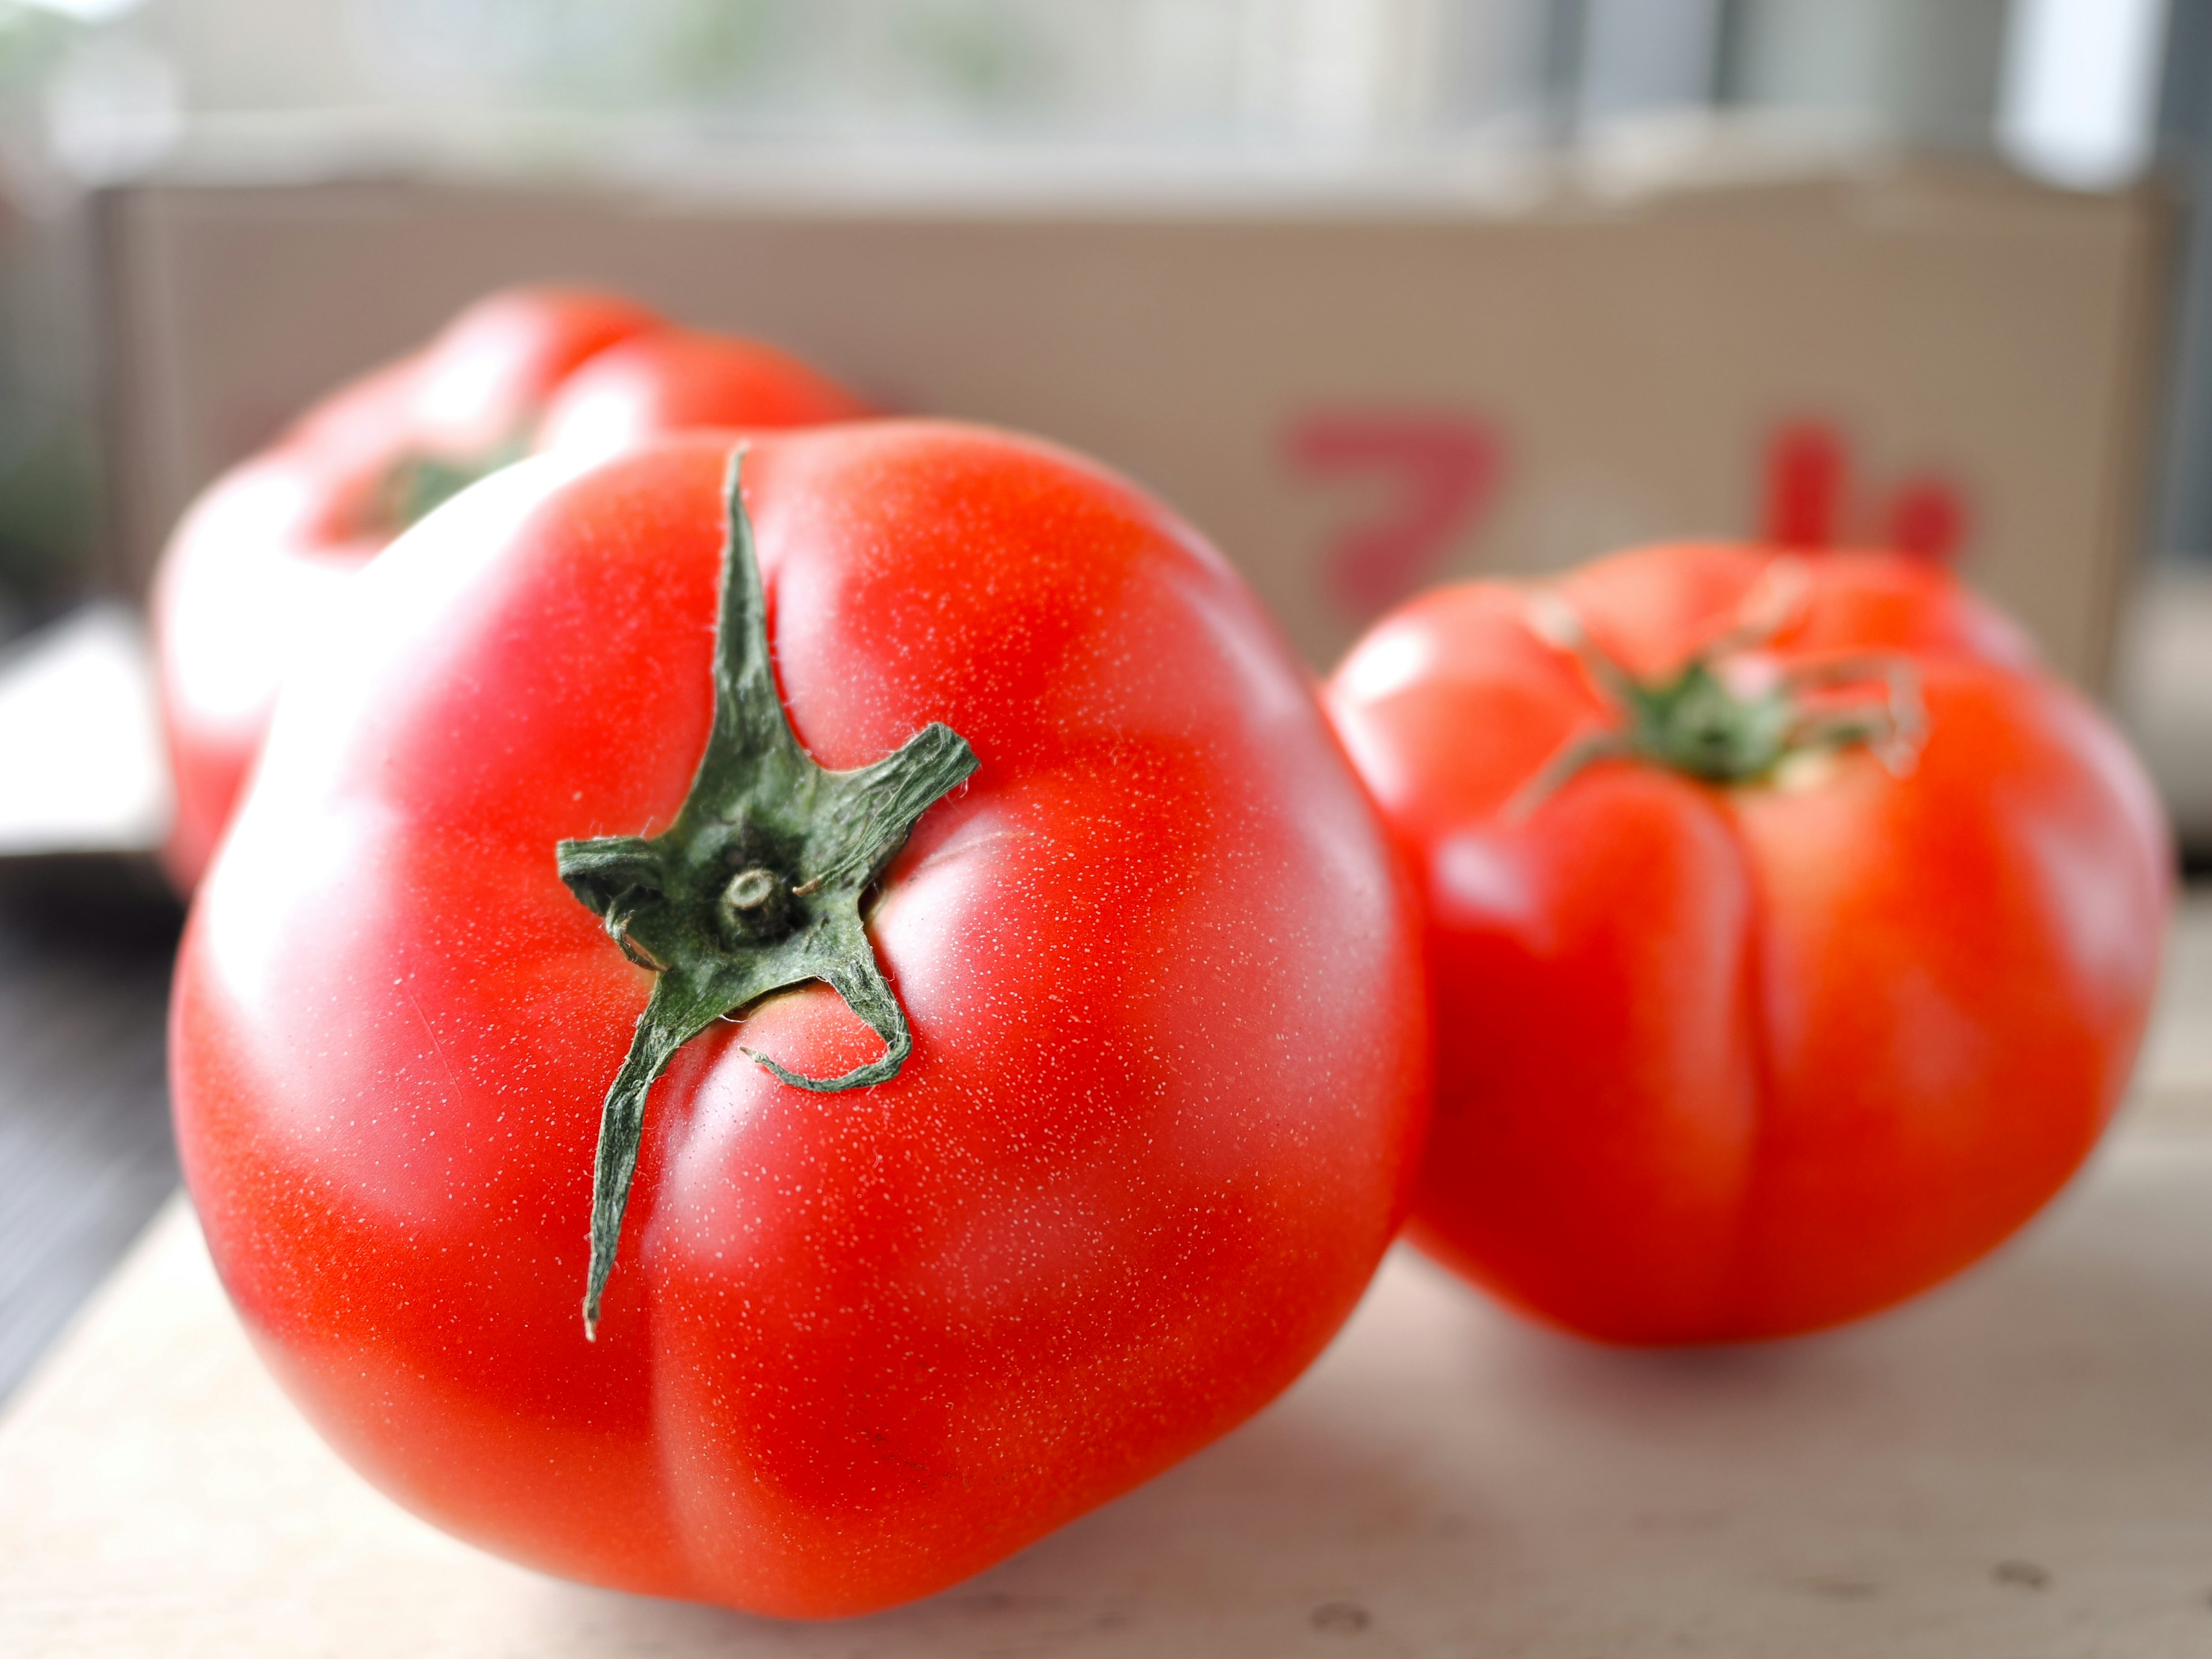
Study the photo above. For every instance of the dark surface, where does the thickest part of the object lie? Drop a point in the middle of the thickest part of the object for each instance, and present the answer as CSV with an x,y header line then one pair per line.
x,y
86,1155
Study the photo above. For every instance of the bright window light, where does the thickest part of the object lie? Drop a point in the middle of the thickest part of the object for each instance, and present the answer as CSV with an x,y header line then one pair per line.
x,y
2080,100
86,11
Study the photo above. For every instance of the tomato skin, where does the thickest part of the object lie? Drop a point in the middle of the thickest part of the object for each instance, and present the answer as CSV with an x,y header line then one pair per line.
x,y
1160,1122
672,380
263,555
1717,1063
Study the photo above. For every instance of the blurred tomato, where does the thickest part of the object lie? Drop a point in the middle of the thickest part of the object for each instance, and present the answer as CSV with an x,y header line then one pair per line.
x,y
1791,934
259,559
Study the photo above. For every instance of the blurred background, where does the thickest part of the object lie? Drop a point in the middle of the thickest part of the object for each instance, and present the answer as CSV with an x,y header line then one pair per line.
x,y
2077,131
1352,95
1222,103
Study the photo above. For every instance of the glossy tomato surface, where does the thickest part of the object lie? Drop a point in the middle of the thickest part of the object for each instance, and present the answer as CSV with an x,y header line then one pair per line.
x,y
262,557
1726,1061
1158,1128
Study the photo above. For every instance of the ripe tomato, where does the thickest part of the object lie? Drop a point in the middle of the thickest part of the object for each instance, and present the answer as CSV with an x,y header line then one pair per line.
x,y
262,555
1803,998
1160,979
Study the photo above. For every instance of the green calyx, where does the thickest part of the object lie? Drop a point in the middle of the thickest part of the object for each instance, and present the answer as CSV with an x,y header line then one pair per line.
x,y
1694,724
416,483
1735,731
756,887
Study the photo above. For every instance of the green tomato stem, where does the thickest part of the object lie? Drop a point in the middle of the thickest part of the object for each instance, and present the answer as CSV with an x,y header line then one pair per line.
x,y
1695,722
756,887
418,482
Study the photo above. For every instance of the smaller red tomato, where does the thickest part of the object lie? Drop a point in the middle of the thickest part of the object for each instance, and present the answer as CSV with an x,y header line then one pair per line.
x,y
259,557
1789,933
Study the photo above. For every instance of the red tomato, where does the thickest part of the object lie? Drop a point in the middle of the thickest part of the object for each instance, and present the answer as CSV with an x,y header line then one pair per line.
x,y
1168,1060
1747,1032
262,555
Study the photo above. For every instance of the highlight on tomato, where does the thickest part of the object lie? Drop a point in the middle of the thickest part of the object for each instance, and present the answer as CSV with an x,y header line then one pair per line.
x,y
262,557
1790,932
782,1018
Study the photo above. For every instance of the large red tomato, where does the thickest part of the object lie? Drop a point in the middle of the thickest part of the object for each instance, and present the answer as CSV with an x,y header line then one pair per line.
x,y
1161,984
261,556
1790,932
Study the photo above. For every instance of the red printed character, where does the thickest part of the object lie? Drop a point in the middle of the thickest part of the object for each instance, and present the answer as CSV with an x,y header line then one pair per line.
x,y
1809,503
1444,468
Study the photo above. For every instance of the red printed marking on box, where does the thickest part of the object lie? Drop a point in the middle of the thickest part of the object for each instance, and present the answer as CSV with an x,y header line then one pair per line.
x,y
1445,468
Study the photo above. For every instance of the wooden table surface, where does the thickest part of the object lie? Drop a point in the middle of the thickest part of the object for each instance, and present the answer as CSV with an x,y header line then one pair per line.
x,y
2019,1464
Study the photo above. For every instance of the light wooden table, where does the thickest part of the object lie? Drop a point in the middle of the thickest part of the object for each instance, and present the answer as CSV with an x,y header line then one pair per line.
x,y
2020,1465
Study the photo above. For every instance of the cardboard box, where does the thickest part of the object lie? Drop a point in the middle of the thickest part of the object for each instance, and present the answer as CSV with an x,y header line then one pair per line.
x,y
1352,402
